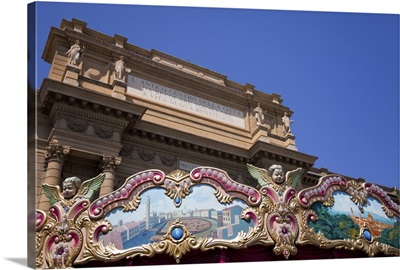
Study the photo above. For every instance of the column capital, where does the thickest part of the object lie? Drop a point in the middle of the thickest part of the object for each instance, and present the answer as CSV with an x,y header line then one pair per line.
x,y
56,151
109,163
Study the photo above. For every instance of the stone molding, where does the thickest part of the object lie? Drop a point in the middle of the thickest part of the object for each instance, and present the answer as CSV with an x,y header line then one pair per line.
x,y
107,111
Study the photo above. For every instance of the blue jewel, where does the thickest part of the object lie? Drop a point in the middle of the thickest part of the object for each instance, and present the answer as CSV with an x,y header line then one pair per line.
x,y
367,235
66,208
177,233
177,200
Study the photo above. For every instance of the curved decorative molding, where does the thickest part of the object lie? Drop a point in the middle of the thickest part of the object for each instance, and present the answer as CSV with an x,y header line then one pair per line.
x,y
242,216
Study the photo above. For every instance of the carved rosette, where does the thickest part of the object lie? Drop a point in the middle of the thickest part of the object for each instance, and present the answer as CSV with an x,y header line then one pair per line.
x,y
77,125
168,160
146,155
103,132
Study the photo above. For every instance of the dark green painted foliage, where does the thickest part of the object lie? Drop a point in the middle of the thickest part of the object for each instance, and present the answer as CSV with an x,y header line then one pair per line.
x,y
333,226
391,236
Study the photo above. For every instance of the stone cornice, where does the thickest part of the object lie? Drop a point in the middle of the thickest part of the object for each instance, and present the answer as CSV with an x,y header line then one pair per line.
x,y
180,147
100,118
197,151
139,59
188,67
265,150
54,91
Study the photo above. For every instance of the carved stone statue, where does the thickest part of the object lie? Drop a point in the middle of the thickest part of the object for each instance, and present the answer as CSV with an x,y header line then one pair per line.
x,y
74,53
286,124
259,115
120,68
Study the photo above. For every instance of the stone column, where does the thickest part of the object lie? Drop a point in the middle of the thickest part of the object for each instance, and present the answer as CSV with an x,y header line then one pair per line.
x,y
54,161
108,165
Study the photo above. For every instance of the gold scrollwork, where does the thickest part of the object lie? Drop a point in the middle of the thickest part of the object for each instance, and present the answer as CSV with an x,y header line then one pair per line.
x,y
70,233
177,242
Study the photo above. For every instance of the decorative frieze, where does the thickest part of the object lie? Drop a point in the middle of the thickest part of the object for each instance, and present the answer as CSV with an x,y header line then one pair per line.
x,y
168,160
103,132
77,125
146,155
126,150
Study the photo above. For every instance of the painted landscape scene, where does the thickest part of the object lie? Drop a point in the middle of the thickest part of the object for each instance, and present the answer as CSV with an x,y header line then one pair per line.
x,y
200,212
344,220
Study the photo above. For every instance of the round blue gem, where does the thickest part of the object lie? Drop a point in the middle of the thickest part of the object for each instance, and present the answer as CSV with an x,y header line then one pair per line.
x,y
66,208
177,233
367,235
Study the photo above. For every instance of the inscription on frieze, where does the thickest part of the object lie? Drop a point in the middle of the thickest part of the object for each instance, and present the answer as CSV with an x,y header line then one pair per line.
x,y
184,101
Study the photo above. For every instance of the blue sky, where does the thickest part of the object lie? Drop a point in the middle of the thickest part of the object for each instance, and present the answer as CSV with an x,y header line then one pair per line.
x,y
337,71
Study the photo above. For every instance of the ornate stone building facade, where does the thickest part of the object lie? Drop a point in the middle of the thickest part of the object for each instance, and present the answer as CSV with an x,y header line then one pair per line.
x,y
110,106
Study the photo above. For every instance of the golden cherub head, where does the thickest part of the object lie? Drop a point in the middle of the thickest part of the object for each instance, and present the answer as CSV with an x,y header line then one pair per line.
x,y
70,187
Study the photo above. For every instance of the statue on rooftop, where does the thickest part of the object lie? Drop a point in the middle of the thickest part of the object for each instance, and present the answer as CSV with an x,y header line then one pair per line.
x,y
74,53
259,115
286,124
120,68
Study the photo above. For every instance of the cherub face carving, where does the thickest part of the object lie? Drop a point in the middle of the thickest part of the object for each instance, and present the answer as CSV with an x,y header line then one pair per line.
x,y
69,190
277,176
